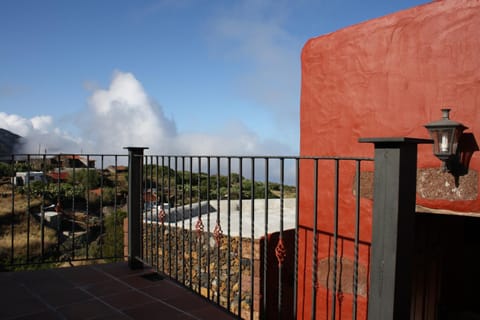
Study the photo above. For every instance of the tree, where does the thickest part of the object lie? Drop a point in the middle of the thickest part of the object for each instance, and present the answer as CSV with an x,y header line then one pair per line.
x,y
113,239
5,170
89,179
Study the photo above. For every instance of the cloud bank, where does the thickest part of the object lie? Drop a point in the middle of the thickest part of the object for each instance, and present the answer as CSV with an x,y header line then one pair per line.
x,y
123,115
39,134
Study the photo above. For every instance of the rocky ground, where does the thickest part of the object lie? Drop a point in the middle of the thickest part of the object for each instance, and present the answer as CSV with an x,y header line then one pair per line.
x,y
218,268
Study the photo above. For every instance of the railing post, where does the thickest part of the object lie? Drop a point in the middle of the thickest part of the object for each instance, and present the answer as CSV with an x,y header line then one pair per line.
x,y
135,168
392,227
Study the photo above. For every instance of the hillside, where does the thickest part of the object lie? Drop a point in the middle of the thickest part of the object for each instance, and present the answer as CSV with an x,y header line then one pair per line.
x,y
9,142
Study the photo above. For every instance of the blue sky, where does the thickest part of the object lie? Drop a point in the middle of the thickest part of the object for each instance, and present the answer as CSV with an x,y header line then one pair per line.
x,y
205,76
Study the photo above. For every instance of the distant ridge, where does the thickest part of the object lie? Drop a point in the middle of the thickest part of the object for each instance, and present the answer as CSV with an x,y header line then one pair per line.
x,y
9,142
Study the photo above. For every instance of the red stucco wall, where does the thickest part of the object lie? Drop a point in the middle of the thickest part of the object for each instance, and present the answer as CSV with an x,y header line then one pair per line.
x,y
389,77
382,78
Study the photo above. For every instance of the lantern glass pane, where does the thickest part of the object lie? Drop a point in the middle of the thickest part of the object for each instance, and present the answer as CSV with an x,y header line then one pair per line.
x,y
456,137
434,135
442,139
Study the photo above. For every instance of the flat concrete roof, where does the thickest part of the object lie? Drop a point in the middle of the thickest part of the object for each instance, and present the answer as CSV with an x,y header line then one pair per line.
x,y
263,213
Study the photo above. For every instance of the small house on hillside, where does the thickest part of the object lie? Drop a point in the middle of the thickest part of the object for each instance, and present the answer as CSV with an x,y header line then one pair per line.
x,y
117,169
56,176
72,161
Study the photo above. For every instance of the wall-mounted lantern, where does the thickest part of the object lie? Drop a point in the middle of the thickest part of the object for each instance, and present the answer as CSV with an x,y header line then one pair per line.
x,y
446,134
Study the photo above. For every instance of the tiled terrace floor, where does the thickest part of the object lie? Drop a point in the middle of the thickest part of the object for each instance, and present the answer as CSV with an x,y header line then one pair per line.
x,y
108,291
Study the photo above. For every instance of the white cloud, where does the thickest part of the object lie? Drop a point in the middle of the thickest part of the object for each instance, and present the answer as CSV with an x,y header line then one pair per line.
x,y
42,123
125,93
123,115
15,124
233,138
39,134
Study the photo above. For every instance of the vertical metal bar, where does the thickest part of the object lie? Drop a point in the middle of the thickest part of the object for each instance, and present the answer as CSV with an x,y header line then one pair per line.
x,y
297,212
265,242
102,222
157,212
12,225
335,240
115,210
356,238
153,186
252,241
218,230
176,233
87,207
58,206
199,225
208,226
280,265
27,211
229,212
143,216
240,241
72,256
145,210
169,187
151,211
315,241
135,162
190,248
168,209
42,210
184,266
153,206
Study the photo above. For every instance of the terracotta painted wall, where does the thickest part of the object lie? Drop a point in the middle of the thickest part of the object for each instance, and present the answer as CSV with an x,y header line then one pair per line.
x,y
387,77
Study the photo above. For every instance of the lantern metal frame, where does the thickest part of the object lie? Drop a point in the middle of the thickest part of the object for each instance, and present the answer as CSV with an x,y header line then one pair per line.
x,y
446,135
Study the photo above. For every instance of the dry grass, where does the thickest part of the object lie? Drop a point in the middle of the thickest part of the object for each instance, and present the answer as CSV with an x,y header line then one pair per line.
x,y
21,203
27,237
286,195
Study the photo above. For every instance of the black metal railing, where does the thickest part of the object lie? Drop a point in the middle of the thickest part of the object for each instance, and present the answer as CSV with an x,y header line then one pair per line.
x,y
263,237
61,208
229,229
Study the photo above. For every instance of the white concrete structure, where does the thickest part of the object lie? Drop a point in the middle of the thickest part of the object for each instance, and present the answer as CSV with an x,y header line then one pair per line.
x,y
23,178
52,218
260,216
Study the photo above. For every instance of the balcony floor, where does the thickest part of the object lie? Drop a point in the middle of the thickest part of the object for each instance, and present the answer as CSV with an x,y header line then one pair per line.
x,y
101,291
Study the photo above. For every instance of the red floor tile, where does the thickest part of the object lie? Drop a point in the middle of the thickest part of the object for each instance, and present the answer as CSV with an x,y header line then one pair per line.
x,y
86,310
128,299
110,291
156,310
107,287
59,298
165,290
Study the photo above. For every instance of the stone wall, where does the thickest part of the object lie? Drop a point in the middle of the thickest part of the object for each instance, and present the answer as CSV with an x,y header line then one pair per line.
x,y
221,270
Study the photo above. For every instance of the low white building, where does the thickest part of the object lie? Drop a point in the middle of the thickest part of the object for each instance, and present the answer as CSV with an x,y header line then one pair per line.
x,y
23,178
